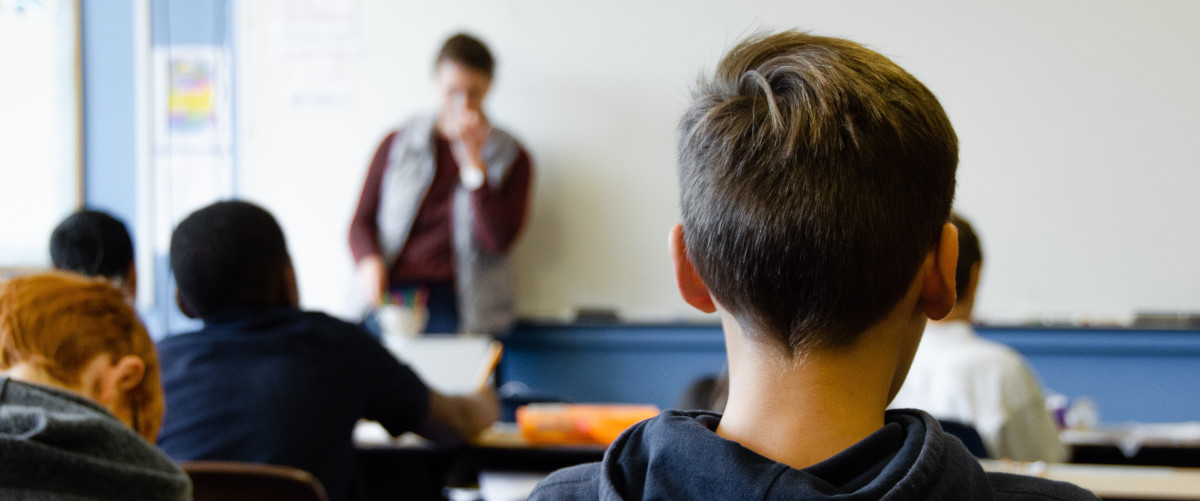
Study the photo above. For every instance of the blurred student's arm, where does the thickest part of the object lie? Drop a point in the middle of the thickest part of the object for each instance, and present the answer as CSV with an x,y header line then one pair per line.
x,y
455,418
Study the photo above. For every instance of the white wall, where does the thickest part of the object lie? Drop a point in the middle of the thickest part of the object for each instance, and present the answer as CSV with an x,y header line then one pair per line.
x,y
39,120
1076,120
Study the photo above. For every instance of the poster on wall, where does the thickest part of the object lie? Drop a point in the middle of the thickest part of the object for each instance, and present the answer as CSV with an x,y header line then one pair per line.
x,y
193,125
192,91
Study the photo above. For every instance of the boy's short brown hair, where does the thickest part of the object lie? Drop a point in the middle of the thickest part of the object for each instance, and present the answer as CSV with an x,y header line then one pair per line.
x,y
815,175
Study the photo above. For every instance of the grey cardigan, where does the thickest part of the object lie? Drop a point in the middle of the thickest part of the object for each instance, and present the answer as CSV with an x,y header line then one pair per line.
x,y
484,280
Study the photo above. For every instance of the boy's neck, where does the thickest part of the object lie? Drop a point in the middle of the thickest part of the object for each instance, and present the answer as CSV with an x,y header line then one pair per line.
x,y
802,410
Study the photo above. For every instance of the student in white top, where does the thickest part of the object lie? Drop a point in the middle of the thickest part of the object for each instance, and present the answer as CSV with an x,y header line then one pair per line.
x,y
959,376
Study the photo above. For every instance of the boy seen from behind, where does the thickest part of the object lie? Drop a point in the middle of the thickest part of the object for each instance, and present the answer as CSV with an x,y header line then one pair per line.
x,y
266,382
95,244
816,179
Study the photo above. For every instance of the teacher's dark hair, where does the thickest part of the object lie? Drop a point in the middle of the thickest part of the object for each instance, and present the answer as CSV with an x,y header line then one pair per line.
x,y
815,176
92,243
468,51
229,255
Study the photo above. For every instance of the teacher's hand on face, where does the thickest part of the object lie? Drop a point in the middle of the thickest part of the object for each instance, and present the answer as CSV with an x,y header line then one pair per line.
x,y
463,89
471,131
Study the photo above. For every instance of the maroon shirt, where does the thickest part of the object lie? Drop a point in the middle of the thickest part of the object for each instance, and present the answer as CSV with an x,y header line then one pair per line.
x,y
428,253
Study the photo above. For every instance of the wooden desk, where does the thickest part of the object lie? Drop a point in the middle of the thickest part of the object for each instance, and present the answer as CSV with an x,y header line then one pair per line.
x,y
1114,482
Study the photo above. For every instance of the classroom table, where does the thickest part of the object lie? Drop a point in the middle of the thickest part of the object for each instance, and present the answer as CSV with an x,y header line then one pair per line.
x,y
1111,482
411,468
1145,444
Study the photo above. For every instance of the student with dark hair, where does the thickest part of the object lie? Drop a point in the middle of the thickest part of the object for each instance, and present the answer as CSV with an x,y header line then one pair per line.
x,y
80,397
95,244
816,178
265,382
444,199
957,375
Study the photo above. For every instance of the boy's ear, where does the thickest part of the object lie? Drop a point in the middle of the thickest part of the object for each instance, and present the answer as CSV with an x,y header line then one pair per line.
x,y
131,280
691,287
130,370
291,289
183,306
937,290
118,379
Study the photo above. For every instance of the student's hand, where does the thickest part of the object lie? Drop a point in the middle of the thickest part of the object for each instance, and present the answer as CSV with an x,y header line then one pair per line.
x,y
372,274
486,408
465,415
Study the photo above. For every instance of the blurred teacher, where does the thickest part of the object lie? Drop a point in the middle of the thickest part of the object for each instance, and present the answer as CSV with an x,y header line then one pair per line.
x,y
444,199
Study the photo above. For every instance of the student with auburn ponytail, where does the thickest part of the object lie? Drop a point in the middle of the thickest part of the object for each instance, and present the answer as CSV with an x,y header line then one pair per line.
x,y
80,396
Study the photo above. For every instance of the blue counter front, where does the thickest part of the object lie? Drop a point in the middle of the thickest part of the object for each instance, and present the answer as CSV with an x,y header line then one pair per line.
x,y
612,362
1132,374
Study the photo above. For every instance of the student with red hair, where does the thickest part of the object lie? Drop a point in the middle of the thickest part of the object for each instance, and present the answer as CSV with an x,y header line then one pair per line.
x,y
80,396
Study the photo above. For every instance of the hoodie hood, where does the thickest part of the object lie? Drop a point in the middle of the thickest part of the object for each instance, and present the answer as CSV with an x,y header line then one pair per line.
x,y
678,455
58,445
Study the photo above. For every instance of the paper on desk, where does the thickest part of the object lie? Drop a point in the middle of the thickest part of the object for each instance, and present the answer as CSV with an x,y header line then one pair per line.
x,y
507,485
447,363
371,433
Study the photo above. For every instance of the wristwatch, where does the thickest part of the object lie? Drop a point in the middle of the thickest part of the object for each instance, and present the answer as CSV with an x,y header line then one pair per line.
x,y
471,177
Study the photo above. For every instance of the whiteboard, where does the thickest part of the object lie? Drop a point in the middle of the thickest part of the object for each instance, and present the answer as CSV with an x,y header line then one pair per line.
x,y
39,124
1077,121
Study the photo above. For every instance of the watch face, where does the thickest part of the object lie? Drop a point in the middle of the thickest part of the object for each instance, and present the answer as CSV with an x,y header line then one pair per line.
x,y
471,177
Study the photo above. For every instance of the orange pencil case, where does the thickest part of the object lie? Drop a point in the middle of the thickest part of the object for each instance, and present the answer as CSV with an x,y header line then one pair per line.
x,y
579,423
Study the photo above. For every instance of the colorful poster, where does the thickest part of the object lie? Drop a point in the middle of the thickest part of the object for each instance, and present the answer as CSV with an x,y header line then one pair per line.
x,y
190,99
191,106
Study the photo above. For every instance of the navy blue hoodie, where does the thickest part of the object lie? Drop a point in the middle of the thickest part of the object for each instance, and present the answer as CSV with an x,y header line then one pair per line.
x,y
678,455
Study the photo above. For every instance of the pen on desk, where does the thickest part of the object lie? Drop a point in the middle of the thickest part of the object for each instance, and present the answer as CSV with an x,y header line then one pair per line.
x,y
489,364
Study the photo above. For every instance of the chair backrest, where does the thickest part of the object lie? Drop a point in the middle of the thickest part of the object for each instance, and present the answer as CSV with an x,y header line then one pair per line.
x,y
968,435
235,481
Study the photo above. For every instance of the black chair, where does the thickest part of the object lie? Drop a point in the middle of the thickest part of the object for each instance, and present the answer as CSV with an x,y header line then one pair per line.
x,y
235,481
